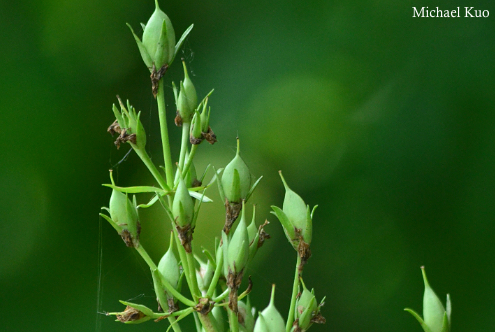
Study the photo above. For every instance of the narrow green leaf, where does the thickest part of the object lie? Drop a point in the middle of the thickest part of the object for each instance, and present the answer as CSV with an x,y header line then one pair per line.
x,y
150,203
286,224
253,187
137,189
144,53
420,320
181,40
200,197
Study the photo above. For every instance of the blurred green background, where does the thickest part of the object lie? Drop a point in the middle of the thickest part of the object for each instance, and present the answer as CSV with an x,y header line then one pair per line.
x,y
387,122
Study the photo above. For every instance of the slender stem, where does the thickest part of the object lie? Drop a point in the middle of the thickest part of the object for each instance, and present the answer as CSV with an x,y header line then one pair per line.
x,y
189,270
233,322
191,262
164,133
175,326
190,159
221,296
152,168
206,322
295,290
216,276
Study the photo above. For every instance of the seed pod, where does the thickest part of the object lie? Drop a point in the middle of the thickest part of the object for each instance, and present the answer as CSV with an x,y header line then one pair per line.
x,y
238,252
183,205
169,267
159,38
298,212
124,214
270,320
435,317
433,310
236,179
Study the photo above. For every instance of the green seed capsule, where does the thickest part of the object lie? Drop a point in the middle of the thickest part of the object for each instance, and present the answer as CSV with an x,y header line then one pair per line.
x,y
238,252
159,43
236,179
124,214
270,320
169,267
435,317
183,205
433,309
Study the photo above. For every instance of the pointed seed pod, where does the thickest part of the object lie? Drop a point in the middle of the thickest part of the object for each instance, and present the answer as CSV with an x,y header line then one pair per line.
x,y
270,320
124,214
236,179
297,212
433,309
183,205
159,38
169,267
435,317
238,252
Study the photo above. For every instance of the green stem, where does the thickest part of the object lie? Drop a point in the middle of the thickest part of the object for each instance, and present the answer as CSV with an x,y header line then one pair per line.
x,y
233,322
206,322
216,276
295,290
164,133
221,296
152,168
189,270
191,262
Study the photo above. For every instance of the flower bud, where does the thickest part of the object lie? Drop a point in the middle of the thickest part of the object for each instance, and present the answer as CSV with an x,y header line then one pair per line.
x,y
183,205
270,320
124,214
159,38
236,179
435,317
238,250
